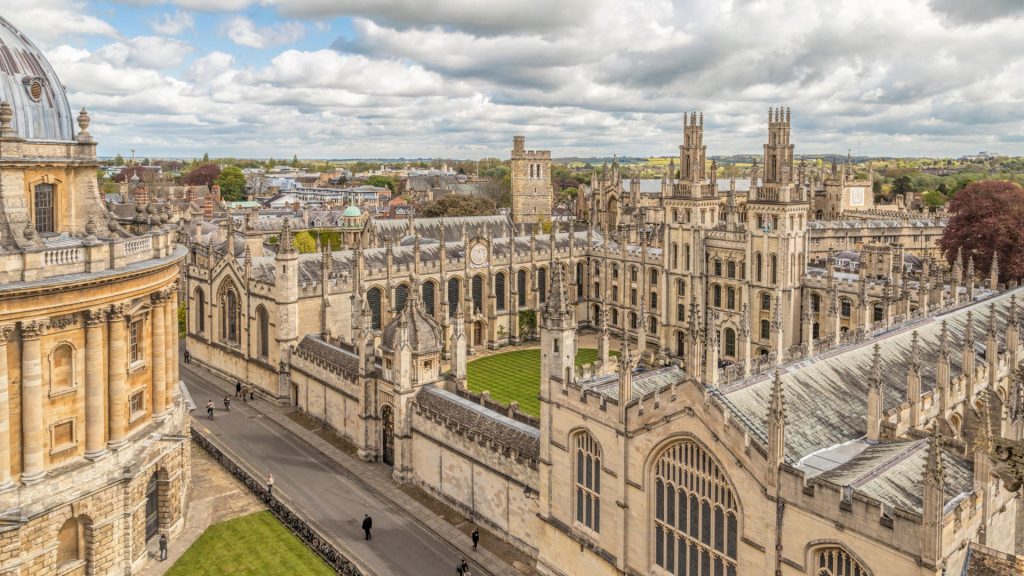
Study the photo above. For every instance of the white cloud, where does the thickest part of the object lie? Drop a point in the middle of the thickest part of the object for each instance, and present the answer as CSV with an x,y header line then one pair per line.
x,y
245,32
148,52
45,21
172,24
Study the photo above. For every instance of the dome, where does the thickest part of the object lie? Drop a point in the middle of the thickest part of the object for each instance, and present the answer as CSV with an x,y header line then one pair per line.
x,y
352,211
421,330
31,87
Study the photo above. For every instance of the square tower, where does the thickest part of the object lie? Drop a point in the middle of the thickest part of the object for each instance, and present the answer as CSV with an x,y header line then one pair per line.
x,y
532,192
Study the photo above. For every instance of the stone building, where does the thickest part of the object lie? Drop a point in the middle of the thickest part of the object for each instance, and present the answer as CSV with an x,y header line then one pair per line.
x,y
93,438
532,191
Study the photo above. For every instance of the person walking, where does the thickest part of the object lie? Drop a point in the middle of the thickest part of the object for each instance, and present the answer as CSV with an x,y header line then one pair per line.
x,y
187,356
227,403
209,409
270,484
367,524
163,547
463,568
252,392
476,537
238,389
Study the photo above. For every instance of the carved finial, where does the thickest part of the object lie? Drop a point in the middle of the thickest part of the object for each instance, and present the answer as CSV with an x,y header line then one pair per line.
x,y
915,352
876,368
83,123
934,469
944,341
969,330
777,408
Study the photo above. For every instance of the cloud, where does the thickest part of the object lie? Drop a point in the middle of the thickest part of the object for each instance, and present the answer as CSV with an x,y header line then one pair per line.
x,y
245,32
45,21
172,24
961,11
147,52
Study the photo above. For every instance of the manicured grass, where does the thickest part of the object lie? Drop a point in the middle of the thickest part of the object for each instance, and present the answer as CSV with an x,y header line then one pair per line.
x,y
516,376
253,545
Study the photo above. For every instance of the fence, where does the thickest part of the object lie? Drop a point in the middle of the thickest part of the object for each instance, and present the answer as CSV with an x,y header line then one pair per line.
x,y
298,526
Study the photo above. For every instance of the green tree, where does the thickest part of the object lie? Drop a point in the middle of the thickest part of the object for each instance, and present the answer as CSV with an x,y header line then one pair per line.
x,y
933,199
118,160
382,182
902,184
295,161
458,205
232,183
206,157
304,242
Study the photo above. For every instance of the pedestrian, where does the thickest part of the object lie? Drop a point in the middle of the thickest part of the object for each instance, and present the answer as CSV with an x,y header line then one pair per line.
x,y
270,484
227,403
209,409
252,392
476,537
187,356
367,524
238,388
163,547
463,568
245,394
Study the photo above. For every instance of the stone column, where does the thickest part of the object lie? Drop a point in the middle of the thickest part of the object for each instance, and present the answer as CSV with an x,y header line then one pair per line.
x,y
159,355
31,402
117,362
171,350
5,410
94,385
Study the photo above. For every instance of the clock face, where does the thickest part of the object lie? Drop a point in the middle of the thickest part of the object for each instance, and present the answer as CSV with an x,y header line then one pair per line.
x,y
478,255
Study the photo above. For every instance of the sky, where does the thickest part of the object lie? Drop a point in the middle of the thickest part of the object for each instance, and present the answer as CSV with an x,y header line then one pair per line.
x,y
459,78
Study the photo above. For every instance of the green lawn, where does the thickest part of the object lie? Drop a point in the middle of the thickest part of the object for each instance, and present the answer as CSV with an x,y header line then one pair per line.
x,y
516,376
252,545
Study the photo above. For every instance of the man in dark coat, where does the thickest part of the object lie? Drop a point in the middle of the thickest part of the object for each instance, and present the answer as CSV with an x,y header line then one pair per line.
x,y
367,524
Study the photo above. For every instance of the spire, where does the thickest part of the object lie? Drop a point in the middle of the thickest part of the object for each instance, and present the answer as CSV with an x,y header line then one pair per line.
x,y
285,242
876,367
876,397
915,352
934,470
776,430
777,408
992,320
969,330
934,501
944,342
993,280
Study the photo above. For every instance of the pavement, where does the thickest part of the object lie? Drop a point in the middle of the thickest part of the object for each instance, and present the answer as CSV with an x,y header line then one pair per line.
x,y
333,490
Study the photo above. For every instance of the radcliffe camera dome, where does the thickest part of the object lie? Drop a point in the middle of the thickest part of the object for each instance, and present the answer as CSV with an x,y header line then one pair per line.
x,y
31,87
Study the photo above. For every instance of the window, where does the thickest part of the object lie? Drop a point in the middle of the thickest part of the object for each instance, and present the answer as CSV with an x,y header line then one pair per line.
x,y
478,294
681,288
654,277
454,293
428,297
835,561
766,330
716,291
615,270
632,296
773,266
632,320
815,329
652,325
696,526
263,328
373,301
68,549
229,315
730,342
845,306
200,312
878,313
401,295
542,284
44,208
757,267
136,403
588,482
632,273
766,301
730,300
815,303
675,253
579,280
521,287
597,290
680,312
686,256
731,268
499,291
654,300
615,316
718,267
615,293
135,341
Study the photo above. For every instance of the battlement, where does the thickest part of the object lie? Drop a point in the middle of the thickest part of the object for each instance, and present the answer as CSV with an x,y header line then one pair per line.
x,y
519,150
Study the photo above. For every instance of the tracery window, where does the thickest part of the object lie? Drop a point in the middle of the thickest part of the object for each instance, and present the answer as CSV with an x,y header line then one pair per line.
x,y
229,316
878,313
200,311
834,561
454,295
542,284
521,287
263,335
401,295
696,514
654,277
845,307
730,342
428,297
718,267
588,482
373,301
499,291
478,294
632,273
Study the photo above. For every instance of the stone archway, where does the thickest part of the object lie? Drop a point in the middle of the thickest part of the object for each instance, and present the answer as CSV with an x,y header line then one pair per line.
x,y
152,507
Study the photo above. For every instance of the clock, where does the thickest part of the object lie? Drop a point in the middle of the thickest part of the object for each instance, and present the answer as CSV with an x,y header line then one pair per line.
x,y
478,255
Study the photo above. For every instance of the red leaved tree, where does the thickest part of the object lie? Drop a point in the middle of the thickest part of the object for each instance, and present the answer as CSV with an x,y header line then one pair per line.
x,y
987,218
202,175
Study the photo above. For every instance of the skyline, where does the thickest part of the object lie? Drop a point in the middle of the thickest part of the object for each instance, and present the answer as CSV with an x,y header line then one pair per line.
x,y
391,79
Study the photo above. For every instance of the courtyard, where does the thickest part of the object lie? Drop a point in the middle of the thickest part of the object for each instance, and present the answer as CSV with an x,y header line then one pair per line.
x,y
515,376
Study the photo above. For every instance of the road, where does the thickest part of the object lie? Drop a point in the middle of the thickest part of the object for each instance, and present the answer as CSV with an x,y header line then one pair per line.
x,y
323,490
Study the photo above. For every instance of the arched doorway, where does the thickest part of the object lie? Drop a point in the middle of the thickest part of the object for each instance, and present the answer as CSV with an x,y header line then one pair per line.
x,y
387,416
152,507
478,333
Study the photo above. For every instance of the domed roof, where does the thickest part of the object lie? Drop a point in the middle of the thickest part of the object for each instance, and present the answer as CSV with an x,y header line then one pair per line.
x,y
415,326
31,87
352,211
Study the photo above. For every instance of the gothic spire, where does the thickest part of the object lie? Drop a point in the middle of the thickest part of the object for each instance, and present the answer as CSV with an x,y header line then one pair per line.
x,y
285,242
915,352
944,342
969,330
777,407
876,368
934,469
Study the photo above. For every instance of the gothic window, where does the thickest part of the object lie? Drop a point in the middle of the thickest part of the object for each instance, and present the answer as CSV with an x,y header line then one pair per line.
x,y
681,288
200,311
615,316
654,277
44,208
229,316
766,330
401,295
680,312
597,289
454,294
373,301
766,301
731,269
654,300
632,273
652,325
757,267
716,291
588,482
675,254
632,296
521,287
615,293
878,313
542,284
686,256
499,291
263,335
615,270
579,280
730,300
834,561
815,303
632,320
718,267
68,544
730,342
428,297
773,267
815,329
845,306
478,294
696,527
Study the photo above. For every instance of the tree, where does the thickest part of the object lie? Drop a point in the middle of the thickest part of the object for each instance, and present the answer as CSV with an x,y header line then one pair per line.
x,y
382,182
295,161
206,157
232,183
458,205
933,199
203,175
304,242
118,160
986,219
902,185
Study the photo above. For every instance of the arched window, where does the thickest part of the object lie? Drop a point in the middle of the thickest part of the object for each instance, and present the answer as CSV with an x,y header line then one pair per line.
x,y
229,316
730,342
686,256
652,324
263,331
429,289
845,306
696,516
401,295
454,294
766,301
44,208
730,299
632,273
588,482
579,280
542,284
731,269
68,544
773,266
521,287
815,303
766,330
878,313
654,300
674,255
499,290
681,288
615,316
478,294
716,292
62,366
200,311
718,267
757,267
834,561
615,270
654,277
373,301
632,296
